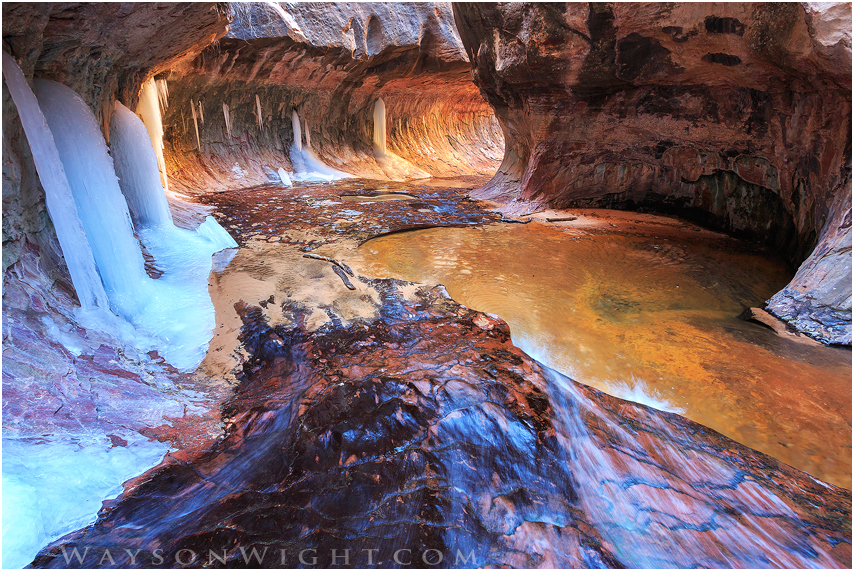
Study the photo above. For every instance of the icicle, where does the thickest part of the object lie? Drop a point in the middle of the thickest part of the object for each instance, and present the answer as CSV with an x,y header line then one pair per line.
x,y
392,165
178,309
380,127
58,196
307,165
201,115
195,126
137,172
150,112
295,123
258,112
226,115
162,94
102,208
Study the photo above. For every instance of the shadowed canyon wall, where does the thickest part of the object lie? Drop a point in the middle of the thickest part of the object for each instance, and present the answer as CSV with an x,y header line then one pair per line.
x,y
331,63
737,116
103,52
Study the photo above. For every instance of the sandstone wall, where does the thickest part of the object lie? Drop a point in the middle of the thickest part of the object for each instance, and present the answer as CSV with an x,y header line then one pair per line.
x,y
331,62
737,116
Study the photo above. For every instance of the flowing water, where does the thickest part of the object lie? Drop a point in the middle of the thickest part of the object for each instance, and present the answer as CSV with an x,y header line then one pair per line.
x,y
647,310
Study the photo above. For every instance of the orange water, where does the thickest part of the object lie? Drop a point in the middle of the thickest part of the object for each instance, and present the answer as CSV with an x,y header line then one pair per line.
x,y
650,316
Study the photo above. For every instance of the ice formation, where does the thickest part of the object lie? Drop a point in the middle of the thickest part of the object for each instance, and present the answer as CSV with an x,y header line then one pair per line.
x,y
51,489
60,202
162,94
393,166
258,112
180,310
307,165
137,172
101,207
196,124
201,114
298,136
228,122
149,108
173,314
284,177
46,494
380,127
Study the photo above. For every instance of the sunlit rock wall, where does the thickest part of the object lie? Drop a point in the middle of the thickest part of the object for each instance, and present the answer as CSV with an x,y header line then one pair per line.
x,y
330,62
737,116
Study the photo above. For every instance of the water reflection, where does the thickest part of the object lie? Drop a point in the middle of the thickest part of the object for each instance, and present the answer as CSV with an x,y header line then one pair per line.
x,y
377,198
650,316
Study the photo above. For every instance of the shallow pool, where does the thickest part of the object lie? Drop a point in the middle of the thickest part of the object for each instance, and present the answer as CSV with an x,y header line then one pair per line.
x,y
646,308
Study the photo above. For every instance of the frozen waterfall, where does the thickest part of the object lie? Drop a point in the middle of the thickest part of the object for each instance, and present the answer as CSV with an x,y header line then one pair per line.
x,y
60,203
137,170
173,314
44,493
100,205
307,165
180,310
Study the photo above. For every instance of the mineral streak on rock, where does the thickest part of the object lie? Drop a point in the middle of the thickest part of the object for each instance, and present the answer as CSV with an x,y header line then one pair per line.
x,y
736,116
427,430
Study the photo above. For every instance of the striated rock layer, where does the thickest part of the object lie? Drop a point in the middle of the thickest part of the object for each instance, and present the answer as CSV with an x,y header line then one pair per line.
x,y
330,63
737,116
425,435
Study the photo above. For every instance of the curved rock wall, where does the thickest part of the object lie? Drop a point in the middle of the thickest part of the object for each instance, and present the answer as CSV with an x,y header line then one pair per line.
x,y
331,62
734,115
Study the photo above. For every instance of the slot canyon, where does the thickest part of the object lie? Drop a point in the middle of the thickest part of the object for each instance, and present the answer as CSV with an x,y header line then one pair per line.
x,y
452,285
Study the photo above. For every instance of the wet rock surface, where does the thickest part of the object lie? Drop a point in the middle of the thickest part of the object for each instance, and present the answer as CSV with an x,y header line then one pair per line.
x,y
270,212
427,434
645,308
